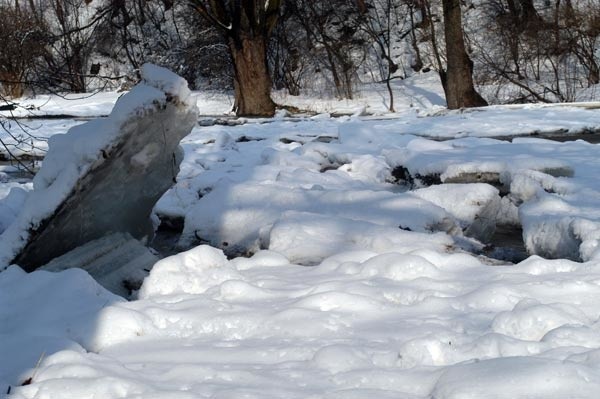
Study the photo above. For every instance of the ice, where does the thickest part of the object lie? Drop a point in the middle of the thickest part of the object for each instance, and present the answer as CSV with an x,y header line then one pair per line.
x,y
106,175
117,261
459,161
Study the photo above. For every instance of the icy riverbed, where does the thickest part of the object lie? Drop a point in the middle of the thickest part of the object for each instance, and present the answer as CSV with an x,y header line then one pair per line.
x,y
330,274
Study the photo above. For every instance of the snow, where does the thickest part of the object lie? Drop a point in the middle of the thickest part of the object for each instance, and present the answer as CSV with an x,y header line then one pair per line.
x,y
516,376
13,196
306,238
191,272
422,324
240,215
310,268
476,206
43,313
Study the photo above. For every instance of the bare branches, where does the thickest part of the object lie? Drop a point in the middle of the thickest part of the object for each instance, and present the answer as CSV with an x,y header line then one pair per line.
x,y
547,54
215,15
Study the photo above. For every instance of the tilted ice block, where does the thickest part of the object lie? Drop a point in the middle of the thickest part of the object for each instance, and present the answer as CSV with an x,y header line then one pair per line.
x,y
106,175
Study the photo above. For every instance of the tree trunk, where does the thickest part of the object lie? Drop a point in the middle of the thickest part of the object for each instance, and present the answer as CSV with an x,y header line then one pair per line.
x,y
10,85
514,11
391,93
459,88
252,82
76,66
247,26
593,72
529,13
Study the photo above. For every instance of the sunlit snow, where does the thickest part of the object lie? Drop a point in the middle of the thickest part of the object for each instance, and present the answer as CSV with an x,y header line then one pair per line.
x,y
309,268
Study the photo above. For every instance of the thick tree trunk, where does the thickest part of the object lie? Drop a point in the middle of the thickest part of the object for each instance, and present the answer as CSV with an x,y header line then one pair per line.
x,y
459,88
247,26
514,11
252,82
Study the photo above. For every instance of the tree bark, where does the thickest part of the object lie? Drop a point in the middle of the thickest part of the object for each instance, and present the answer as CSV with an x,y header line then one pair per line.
x,y
251,81
459,88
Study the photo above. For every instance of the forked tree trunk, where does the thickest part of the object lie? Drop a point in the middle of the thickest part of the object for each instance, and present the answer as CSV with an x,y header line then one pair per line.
x,y
252,82
459,88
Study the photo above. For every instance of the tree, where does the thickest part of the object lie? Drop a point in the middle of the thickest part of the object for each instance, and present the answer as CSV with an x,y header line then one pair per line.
x,y
377,23
328,43
23,41
247,26
73,43
544,55
458,79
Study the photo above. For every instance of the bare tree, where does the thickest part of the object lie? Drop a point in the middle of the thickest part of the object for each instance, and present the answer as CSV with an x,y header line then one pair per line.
x,y
288,57
73,33
332,43
379,22
247,26
545,54
23,41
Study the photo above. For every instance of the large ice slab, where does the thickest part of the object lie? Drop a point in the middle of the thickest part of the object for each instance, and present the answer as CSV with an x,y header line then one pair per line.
x,y
106,175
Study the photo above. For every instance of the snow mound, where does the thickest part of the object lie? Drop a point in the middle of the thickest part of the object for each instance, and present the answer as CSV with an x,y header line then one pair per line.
x,y
475,206
190,272
531,321
308,238
239,217
43,313
515,377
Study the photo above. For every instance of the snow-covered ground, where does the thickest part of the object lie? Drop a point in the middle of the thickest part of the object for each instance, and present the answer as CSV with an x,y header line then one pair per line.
x,y
347,275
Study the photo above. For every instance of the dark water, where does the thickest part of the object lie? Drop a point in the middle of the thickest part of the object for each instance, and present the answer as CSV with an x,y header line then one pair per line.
x,y
507,244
